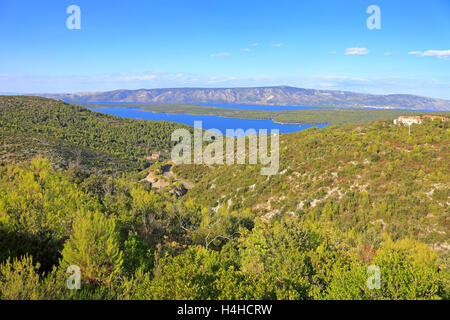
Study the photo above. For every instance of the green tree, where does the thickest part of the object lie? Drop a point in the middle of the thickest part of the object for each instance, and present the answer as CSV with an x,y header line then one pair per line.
x,y
94,247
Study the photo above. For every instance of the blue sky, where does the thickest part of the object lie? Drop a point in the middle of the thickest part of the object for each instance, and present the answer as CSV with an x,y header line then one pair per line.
x,y
225,43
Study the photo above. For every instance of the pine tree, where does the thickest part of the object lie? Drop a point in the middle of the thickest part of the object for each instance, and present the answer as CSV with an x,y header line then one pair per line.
x,y
94,247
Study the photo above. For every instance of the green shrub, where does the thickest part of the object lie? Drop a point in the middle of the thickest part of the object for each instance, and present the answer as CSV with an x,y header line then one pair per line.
x,y
94,247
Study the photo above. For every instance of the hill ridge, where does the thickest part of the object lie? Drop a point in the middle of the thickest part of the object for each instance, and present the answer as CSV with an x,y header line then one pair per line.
x,y
274,95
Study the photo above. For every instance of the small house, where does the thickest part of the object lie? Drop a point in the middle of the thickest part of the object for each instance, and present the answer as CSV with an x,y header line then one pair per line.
x,y
408,120
154,156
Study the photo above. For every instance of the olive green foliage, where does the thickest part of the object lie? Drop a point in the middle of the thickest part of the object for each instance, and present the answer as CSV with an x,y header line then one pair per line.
x,y
94,247
37,208
346,199
69,133
364,179
145,245
19,280
408,271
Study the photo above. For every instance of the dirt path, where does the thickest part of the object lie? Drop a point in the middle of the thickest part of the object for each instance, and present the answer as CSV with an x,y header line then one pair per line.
x,y
164,177
160,183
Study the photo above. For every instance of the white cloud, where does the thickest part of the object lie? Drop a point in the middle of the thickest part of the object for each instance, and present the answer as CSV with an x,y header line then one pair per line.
x,y
441,54
356,51
333,52
245,50
255,44
277,45
387,53
221,54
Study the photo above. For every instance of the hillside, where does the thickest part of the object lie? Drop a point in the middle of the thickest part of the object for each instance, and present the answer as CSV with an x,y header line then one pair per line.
x,y
69,133
365,178
346,198
284,95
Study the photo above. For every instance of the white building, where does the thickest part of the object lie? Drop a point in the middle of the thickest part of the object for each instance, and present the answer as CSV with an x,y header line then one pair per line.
x,y
408,120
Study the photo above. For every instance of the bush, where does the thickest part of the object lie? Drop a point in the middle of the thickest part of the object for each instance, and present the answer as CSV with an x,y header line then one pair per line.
x,y
19,280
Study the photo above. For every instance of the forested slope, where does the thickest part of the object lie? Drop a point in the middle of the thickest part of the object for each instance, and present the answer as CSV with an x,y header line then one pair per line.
x,y
357,177
346,199
69,133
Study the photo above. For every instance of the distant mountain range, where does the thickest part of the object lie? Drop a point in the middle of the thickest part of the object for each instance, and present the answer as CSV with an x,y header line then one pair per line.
x,y
283,95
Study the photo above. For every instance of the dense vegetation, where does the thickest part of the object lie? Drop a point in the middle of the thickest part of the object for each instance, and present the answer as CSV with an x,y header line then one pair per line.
x,y
357,177
66,133
307,116
347,198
